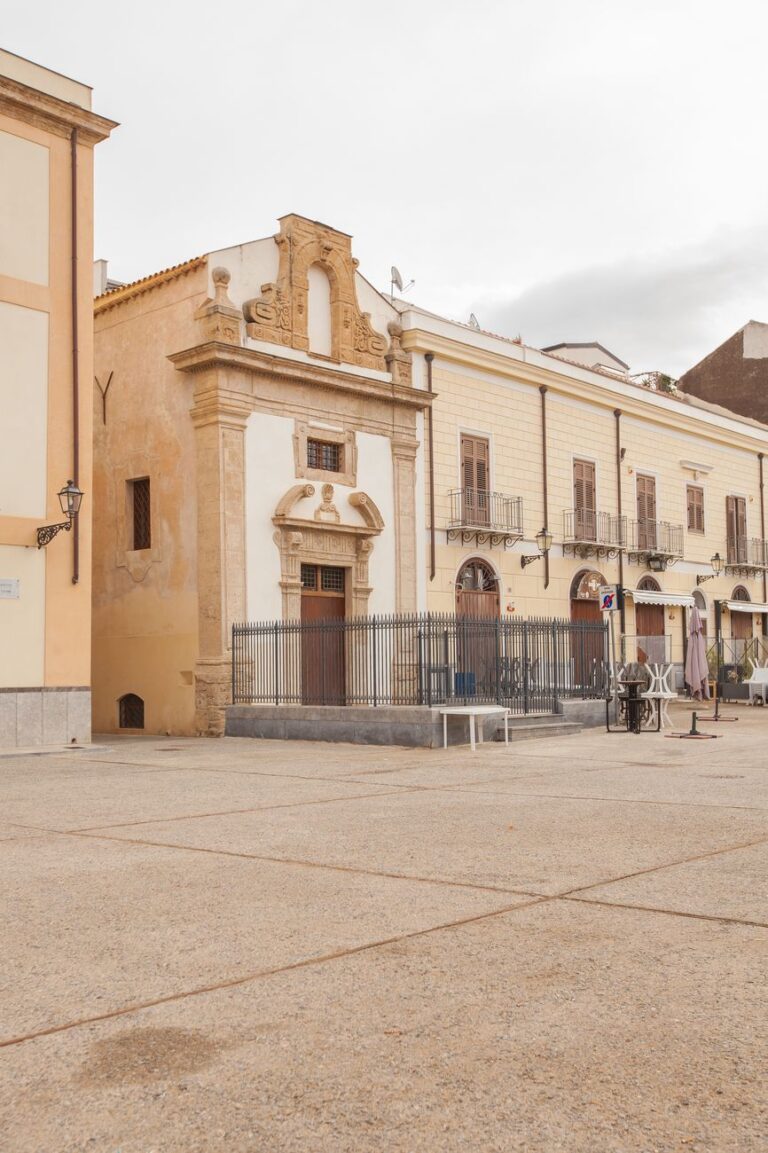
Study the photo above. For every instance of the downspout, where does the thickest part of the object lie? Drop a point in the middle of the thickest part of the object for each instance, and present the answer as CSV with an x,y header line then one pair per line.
x,y
429,357
75,362
760,457
622,609
543,391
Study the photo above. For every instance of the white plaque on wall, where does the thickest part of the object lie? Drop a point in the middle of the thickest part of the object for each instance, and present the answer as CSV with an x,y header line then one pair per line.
x,y
9,589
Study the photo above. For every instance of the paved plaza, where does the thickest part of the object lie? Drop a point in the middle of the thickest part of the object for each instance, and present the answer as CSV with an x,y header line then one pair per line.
x,y
275,947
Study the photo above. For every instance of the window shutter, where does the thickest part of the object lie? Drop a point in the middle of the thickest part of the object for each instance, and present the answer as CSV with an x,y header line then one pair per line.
x,y
695,509
646,498
741,517
474,463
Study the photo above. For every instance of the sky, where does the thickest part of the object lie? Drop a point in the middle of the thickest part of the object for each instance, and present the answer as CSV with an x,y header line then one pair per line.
x,y
568,170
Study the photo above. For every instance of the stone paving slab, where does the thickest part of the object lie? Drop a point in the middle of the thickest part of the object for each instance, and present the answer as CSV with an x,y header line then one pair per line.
x,y
108,795
90,926
731,885
536,844
552,1029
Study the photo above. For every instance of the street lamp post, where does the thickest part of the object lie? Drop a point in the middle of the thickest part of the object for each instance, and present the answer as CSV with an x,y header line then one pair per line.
x,y
544,543
70,499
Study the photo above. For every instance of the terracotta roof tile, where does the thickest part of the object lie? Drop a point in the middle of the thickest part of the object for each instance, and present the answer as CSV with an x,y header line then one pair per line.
x,y
114,296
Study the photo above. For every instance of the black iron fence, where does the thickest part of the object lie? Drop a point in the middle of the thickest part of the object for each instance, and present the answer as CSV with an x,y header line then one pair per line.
x,y
656,536
480,508
602,528
422,659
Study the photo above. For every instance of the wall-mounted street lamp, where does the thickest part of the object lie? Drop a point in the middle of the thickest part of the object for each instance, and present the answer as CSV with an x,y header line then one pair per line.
x,y
717,567
70,498
544,542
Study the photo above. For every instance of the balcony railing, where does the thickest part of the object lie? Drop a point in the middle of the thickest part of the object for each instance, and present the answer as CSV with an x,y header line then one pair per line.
x,y
746,553
588,532
655,538
483,515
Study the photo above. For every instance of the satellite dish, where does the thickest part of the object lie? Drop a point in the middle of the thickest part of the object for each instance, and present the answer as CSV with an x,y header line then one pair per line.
x,y
396,279
473,320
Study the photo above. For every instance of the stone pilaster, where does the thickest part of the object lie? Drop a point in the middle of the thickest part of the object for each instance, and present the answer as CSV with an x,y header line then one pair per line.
x,y
404,452
220,419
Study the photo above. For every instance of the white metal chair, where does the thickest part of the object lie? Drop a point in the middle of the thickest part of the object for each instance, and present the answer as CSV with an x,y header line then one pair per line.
x,y
659,695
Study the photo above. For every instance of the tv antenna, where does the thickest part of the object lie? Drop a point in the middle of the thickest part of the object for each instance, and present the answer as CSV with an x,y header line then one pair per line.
x,y
474,322
396,282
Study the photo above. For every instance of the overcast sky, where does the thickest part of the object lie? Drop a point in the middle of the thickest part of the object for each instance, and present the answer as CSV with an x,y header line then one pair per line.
x,y
566,169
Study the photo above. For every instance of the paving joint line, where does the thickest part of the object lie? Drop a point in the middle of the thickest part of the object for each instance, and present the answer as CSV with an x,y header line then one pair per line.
x,y
721,919
260,974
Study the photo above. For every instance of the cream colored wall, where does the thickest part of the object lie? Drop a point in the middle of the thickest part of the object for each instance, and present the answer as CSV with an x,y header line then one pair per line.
x,y
36,437
24,209
508,412
145,603
22,624
43,79
24,405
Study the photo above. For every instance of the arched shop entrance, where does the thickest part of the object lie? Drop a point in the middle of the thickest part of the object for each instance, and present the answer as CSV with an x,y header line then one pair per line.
x,y
477,590
741,624
649,626
587,650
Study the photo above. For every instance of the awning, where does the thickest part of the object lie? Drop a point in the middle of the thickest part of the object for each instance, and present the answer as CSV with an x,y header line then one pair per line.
x,y
650,597
747,606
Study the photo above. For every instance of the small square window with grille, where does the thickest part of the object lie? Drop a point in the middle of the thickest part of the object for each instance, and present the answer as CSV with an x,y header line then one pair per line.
x,y
142,528
332,580
324,455
309,576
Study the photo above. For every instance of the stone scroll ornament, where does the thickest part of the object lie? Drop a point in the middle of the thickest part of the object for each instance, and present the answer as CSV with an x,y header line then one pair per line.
x,y
280,314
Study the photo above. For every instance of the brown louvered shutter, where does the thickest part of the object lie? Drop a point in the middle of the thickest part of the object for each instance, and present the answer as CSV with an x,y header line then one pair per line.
x,y
646,511
584,498
736,528
695,508
474,478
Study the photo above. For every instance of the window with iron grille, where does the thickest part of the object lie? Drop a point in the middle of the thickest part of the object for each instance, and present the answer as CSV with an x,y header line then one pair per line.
x,y
695,508
324,455
332,579
131,712
309,576
139,498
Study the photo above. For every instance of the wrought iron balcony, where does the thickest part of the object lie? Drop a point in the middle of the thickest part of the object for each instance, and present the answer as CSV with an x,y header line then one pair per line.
x,y
745,555
485,517
655,539
589,533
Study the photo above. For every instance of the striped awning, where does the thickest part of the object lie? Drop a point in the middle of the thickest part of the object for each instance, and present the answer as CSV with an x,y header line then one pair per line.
x,y
651,597
746,606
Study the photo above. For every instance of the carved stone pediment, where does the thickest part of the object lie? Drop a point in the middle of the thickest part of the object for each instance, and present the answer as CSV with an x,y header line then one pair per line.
x,y
280,314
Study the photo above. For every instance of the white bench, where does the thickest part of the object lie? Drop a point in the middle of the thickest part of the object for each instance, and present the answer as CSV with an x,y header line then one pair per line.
x,y
473,711
758,684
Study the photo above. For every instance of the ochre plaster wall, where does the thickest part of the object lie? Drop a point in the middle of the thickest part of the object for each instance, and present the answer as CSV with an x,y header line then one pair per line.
x,y
145,603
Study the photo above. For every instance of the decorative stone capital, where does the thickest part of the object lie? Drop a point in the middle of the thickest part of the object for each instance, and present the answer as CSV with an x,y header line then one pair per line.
x,y
218,318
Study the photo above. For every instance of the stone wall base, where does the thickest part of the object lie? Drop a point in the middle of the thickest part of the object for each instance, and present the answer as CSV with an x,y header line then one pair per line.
x,y
213,692
44,716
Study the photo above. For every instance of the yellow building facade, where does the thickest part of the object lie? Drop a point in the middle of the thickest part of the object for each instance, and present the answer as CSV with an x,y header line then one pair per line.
x,y
636,487
47,136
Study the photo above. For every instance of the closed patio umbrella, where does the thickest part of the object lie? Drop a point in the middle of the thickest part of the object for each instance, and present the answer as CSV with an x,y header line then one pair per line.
x,y
696,668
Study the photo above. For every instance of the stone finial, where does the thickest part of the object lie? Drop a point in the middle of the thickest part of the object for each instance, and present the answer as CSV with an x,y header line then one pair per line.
x,y
220,319
397,360
221,278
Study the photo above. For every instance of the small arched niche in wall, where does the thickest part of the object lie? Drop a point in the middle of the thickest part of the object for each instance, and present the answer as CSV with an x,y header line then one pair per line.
x,y
130,712
319,322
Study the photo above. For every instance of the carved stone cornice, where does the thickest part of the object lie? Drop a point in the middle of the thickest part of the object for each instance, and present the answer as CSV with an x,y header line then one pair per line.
x,y
301,524
216,354
51,114
368,510
215,405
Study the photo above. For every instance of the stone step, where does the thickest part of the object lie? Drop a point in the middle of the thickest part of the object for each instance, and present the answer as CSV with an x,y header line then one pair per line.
x,y
520,730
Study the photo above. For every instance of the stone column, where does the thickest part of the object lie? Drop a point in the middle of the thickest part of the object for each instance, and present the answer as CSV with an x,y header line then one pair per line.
x,y
220,421
404,451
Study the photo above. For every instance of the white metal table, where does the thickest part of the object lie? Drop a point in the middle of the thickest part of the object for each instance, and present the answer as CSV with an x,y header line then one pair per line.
x,y
473,711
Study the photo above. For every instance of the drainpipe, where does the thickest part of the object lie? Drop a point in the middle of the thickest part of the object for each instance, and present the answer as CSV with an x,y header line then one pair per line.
x,y
761,457
543,391
429,357
75,362
622,609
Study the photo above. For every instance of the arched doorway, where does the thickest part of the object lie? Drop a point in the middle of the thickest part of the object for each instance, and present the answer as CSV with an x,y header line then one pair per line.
x,y
741,624
701,604
585,595
477,590
649,626
587,647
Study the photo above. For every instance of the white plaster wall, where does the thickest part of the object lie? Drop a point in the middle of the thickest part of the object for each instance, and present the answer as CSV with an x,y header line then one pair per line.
x,y
319,311
269,473
755,340
24,408
23,209
250,265
22,621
